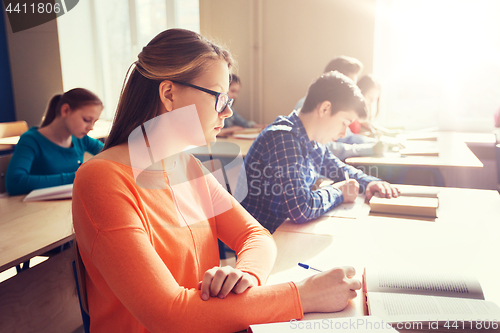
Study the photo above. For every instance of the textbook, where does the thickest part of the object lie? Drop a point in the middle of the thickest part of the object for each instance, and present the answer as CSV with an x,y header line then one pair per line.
x,y
418,191
420,136
405,205
429,300
51,193
419,148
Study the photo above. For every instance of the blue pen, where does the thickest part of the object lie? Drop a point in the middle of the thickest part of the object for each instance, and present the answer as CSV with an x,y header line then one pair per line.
x,y
308,267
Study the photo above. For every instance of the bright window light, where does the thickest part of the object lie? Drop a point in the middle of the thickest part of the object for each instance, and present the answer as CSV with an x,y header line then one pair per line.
x,y
438,61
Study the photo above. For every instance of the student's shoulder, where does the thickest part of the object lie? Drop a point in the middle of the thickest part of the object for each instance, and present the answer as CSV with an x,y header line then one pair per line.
x,y
283,127
30,134
31,138
107,166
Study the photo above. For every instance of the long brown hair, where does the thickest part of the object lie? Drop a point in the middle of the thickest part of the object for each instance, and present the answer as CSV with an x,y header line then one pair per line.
x,y
174,54
75,98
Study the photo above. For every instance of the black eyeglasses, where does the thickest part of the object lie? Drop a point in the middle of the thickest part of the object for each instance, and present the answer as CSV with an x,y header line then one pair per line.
x,y
222,100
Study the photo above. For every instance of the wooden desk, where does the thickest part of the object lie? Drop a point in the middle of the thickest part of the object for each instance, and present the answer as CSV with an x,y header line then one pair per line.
x,y
453,152
225,148
42,298
28,229
465,237
101,130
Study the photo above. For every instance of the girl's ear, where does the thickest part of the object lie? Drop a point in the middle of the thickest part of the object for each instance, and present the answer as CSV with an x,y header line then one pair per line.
x,y
65,110
324,108
166,94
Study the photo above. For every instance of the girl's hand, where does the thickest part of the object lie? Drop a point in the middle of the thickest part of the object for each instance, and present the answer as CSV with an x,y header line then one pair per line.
x,y
219,281
329,291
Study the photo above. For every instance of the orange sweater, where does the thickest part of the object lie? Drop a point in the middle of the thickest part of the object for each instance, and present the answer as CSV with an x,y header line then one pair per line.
x,y
145,250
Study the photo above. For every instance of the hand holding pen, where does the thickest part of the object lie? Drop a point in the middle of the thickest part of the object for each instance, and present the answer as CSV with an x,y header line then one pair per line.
x,y
328,291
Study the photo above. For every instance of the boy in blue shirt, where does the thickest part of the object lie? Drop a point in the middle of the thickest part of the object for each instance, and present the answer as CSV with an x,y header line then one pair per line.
x,y
289,156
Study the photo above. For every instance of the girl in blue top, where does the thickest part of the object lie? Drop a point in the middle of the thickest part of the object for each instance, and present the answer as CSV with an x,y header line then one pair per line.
x,y
50,155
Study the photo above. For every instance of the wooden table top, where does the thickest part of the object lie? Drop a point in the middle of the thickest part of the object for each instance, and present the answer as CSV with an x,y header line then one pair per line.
x,y
28,229
225,147
464,238
101,130
453,152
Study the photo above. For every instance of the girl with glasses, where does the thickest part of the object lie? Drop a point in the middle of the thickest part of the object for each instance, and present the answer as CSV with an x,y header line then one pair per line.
x,y
148,238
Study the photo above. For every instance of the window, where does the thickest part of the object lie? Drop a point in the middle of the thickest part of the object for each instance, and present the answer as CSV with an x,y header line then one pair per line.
x,y
99,40
438,63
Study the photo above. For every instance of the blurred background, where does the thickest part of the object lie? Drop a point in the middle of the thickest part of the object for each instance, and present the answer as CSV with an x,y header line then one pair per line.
x,y
437,60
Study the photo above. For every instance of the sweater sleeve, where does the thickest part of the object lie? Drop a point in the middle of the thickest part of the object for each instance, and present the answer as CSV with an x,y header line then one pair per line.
x,y
111,234
93,146
253,244
19,180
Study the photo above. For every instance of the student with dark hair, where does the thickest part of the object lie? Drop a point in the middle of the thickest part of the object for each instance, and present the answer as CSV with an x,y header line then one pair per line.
x,y
236,121
289,156
370,89
50,155
149,244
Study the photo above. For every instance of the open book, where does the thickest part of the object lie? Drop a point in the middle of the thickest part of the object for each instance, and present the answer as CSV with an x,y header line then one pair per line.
x,y
367,324
405,205
51,193
433,299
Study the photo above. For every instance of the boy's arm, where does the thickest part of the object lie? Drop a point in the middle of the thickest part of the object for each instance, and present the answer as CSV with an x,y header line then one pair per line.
x,y
333,168
290,181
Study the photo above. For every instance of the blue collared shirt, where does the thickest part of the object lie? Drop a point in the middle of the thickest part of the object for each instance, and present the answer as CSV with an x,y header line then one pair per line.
x,y
282,166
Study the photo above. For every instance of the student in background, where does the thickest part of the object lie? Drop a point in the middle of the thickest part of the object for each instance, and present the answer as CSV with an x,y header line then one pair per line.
x,y
349,66
370,89
50,155
288,157
151,252
236,122
350,144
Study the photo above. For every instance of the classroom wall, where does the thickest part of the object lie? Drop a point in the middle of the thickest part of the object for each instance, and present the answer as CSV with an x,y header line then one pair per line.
x,y
301,36
36,69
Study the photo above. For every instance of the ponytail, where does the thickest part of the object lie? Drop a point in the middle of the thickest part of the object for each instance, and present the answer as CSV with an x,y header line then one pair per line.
x,y
75,98
51,112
